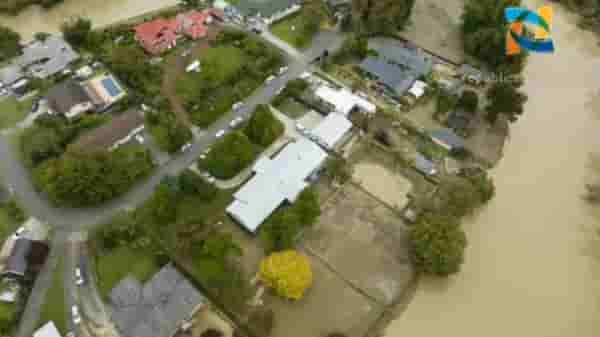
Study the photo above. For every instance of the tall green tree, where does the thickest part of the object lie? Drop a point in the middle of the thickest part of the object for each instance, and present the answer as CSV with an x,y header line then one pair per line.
x,y
373,17
10,43
504,99
484,31
76,31
263,128
438,243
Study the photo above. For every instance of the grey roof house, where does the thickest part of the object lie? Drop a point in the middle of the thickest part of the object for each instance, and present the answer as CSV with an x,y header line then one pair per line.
x,y
26,256
44,59
68,98
397,68
40,59
156,308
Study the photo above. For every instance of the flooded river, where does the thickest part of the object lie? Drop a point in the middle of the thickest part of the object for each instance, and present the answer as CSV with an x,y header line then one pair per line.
x,y
533,261
102,12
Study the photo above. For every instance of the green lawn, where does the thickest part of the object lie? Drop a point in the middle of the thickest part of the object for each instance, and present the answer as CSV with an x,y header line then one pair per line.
x,y
291,31
222,62
12,111
120,262
292,108
7,224
54,308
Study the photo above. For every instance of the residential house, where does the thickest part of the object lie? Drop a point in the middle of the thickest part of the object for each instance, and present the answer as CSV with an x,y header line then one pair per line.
x,y
161,34
157,35
104,91
332,129
447,139
276,181
397,68
47,330
118,131
40,59
157,308
69,98
268,11
27,257
344,101
424,165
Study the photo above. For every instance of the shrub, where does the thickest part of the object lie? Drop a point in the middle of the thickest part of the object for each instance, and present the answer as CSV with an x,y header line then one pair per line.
x,y
438,243
289,273
469,100
263,128
229,156
192,183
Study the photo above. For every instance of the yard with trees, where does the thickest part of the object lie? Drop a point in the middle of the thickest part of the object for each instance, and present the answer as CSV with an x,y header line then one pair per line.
x,y
78,179
229,156
232,68
385,17
15,6
504,99
263,127
10,43
300,28
169,133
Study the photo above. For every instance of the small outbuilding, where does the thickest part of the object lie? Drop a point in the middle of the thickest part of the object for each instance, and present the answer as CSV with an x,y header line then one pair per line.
x,y
332,129
447,139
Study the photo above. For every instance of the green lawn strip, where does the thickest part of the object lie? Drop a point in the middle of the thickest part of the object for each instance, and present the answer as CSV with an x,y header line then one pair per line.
x,y
291,31
7,224
121,262
12,111
292,108
54,308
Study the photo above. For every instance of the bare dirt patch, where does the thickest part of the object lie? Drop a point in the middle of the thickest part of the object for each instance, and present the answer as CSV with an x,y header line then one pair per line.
x,y
385,185
365,242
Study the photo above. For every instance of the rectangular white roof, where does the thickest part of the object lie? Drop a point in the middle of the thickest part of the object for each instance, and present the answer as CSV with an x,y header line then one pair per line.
x,y
48,330
343,100
275,181
332,128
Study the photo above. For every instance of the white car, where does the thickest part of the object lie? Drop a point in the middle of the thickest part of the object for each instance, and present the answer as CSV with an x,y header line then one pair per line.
x,y
282,70
140,139
237,106
269,79
220,133
300,127
203,156
78,277
235,122
20,231
75,313
186,146
211,179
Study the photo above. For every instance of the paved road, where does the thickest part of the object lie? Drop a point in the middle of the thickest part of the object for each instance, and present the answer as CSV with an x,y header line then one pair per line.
x,y
68,219
72,224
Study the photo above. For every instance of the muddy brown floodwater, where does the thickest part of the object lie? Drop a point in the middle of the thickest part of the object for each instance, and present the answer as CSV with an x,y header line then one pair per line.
x,y
102,12
532,265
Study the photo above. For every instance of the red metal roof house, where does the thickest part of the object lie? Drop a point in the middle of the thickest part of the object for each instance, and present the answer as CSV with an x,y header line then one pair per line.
x,y
158,35
161,34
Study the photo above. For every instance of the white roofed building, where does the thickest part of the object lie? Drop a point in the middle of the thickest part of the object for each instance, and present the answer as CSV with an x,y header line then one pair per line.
x,y
332,129
47,330
344,101
276,181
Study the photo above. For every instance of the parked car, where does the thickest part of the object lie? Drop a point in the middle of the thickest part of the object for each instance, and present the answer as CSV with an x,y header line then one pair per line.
x,y
75,313
186,146
300,128
280,90
269,79
203,156
235,122
282,70
78,277
35,106
140,138
220,133
20,231
3,92
237,106
211,179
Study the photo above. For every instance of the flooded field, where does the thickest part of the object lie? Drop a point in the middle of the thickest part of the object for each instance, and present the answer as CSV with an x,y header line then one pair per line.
x,y
35,19
533,260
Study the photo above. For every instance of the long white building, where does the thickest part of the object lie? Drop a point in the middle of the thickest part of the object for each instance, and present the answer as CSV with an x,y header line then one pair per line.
x,y
276,180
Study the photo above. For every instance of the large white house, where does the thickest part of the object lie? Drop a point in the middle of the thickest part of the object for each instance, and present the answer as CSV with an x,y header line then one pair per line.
x,y
276,180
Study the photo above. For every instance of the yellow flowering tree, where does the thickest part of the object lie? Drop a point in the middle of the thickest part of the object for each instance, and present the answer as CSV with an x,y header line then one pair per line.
x,y
288,272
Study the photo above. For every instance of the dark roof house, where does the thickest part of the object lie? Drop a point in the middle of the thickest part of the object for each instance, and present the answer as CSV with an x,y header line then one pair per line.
x,y
397,68
26,256
46,58
447,139
68,98
156,308
111,133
